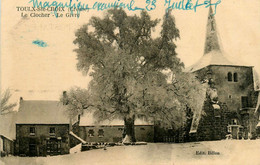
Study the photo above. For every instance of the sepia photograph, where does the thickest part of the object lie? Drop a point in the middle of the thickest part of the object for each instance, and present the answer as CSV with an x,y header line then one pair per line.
x,y
130,82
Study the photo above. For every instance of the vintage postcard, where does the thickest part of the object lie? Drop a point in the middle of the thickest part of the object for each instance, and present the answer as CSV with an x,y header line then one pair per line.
x,y
136,82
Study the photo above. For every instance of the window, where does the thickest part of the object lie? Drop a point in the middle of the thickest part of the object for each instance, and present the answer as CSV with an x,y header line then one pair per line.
x,y
217,112
52,130
120,129
244,100
229,129
32,131
59,145
100,133
229,76
229,96
234,121
91,133
235,77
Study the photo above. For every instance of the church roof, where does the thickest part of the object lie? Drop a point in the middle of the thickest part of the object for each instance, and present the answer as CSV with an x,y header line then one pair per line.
x,y
212,42
213,51
215,57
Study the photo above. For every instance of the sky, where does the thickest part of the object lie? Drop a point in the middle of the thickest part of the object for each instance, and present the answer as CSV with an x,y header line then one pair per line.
x,y
42,73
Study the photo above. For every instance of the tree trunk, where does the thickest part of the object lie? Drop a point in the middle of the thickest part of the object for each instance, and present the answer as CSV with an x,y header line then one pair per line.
x,y
129,130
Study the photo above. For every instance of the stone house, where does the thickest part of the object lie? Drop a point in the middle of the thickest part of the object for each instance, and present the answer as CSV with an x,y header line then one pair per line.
x,y
231,97
42,128
88,129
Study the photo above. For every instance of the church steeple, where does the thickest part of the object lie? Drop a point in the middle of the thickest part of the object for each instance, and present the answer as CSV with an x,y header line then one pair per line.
x,y
213,52
212,39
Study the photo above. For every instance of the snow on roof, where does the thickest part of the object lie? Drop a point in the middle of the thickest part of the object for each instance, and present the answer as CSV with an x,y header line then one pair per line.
x,y
7,125
88,119
41,112
213,51
215,58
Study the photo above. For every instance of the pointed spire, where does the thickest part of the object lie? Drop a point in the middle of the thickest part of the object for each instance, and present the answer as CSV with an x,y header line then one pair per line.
x,y
212,39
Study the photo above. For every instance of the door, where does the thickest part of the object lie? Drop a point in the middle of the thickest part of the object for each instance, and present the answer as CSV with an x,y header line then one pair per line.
x,y
53,146
32,147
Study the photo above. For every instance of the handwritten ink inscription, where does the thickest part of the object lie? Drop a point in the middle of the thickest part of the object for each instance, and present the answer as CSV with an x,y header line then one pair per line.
x,y
40,43
75,7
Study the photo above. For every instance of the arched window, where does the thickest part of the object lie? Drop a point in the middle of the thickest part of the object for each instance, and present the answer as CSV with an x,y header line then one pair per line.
x,y
229,76
235,77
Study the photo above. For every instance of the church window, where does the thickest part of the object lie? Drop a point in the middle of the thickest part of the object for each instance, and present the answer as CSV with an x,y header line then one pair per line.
x,y
229,76
235,77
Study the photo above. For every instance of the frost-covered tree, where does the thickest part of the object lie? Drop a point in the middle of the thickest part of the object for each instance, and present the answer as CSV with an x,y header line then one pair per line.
x,y
133,74
5,106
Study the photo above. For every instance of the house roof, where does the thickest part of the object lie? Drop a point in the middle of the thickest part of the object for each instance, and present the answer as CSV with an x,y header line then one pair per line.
x,y
7,125
88,119
41,112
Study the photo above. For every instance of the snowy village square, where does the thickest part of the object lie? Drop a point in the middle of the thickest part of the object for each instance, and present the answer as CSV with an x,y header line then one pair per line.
x,y
121,87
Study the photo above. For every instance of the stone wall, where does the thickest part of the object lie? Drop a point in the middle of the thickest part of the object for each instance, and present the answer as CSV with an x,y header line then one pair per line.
x,y
229,96
213,124
230,92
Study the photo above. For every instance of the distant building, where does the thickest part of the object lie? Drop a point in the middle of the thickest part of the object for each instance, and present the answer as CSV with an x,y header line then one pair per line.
x,y
6,146
7,134
88,129
42,128
231,98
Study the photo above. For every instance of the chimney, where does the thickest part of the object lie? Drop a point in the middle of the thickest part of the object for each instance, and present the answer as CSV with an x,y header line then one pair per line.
x,y
65,98
21,99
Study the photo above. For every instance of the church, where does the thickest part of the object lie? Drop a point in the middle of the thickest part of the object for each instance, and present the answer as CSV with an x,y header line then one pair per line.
x,y
231,104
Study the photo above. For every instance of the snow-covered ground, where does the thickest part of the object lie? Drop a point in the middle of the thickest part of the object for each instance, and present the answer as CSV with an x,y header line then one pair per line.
x,y
231,152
